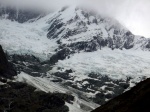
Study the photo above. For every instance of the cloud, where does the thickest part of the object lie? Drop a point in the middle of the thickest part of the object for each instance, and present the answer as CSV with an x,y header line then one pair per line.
x,y
40,4
134,14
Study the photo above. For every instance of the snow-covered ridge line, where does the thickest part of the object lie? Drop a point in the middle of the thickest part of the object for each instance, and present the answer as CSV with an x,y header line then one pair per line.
x,y
75,25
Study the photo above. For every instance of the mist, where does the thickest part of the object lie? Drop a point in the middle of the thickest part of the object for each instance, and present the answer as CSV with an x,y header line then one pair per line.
x,y
133,14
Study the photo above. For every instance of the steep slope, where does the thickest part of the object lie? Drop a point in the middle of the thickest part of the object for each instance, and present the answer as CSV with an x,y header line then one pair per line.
x,y
26,38
6,68
135,100
91,55
80,29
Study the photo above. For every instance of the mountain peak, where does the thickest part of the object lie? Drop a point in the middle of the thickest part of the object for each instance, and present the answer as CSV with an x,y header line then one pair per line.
x,y
76,24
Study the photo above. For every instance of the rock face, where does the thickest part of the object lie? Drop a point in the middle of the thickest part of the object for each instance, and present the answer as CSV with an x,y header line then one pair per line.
x,y
79,30
83,30
135,100
6,69
29,64
20,97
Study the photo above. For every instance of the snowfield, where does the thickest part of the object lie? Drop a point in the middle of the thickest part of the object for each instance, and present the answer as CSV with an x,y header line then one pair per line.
x,y
117,64
27,38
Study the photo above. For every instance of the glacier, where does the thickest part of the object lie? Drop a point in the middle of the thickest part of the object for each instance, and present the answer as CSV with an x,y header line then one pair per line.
x,y
95,56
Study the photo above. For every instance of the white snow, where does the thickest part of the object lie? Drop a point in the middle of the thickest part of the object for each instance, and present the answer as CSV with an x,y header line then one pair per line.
x,y
40,83
87,31
85,82
103,87
1,83
31,38
73,108
27,38
117,64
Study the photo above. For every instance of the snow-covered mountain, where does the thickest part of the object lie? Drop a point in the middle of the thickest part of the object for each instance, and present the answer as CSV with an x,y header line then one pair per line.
x,y
93,56
81,29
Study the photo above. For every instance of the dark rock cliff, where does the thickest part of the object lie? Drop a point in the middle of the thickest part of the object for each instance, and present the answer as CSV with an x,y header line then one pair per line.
x,y
6,68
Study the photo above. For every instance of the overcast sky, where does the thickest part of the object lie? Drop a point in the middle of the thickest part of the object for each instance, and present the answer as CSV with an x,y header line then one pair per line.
x,y
134,14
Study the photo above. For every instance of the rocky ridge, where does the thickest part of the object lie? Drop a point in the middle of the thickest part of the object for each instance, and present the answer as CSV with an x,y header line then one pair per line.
x,y
135,100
